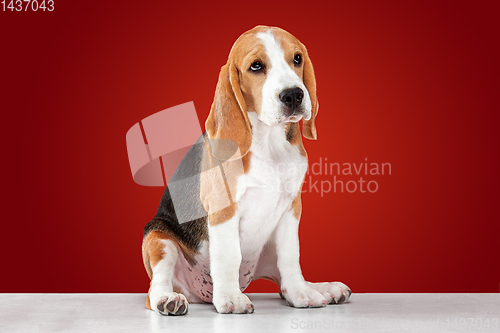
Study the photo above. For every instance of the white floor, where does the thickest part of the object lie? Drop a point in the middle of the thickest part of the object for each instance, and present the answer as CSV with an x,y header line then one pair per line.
x,y
363,313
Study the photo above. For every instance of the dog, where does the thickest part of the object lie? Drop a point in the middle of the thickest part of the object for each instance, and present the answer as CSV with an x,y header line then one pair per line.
x,y
248,170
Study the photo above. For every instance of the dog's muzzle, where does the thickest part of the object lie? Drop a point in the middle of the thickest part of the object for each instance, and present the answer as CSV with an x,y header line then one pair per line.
x,y
292,100
292,97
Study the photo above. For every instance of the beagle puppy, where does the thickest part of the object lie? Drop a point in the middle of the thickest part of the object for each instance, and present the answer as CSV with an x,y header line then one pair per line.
x,y
246,174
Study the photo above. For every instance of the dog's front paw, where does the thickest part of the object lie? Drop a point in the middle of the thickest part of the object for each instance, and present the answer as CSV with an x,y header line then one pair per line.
x,y
303,296
232,303
172,304
333,292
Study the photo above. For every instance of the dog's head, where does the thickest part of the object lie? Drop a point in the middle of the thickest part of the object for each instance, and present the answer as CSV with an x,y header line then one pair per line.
x,y
268,72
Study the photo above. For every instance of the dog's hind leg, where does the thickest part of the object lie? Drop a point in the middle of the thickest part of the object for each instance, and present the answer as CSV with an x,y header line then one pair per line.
x,y
160,256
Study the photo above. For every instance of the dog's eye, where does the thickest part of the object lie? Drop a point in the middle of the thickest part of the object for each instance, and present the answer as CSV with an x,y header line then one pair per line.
x,y
256,66
297,59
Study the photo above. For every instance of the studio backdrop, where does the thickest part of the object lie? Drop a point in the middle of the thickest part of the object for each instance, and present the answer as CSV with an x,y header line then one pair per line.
x,y
402,189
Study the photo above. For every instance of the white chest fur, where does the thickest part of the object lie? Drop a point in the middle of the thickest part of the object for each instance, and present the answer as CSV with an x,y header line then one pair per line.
x,y
267,190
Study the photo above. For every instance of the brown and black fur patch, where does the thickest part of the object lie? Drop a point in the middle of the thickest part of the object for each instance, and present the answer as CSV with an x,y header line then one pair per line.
x,y
188,235
293,136
291,131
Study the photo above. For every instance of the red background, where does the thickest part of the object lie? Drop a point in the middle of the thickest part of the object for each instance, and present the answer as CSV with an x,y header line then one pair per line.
x,y
414,84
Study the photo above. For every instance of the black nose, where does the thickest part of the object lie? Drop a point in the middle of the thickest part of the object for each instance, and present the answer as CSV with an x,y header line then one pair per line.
x,y
292,97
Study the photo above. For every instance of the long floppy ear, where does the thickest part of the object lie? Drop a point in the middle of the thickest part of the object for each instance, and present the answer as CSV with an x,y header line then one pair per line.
x,y
309,126
228,119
